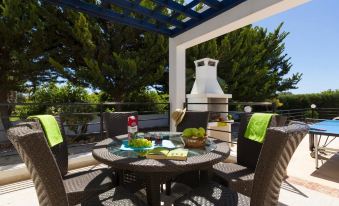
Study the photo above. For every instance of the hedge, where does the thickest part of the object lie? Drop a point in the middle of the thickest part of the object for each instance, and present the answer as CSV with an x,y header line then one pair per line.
x,y
326,99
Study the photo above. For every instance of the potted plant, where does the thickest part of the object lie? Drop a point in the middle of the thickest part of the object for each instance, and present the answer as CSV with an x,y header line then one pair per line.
x,y
194,137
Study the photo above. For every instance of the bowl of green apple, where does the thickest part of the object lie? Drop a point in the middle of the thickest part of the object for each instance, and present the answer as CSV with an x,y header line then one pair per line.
x,y
194,137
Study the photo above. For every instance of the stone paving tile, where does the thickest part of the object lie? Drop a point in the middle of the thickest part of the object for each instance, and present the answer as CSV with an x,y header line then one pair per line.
x,y
302,169
301,196
314,186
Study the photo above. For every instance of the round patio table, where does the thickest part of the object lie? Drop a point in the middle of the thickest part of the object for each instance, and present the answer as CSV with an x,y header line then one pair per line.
x,y
154,171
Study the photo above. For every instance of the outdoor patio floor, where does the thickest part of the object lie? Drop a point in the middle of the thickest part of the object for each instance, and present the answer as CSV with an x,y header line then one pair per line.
x,y
304,185
301,169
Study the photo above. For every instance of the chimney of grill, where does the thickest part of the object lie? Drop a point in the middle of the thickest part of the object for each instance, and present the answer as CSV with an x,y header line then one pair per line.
x,y
206,81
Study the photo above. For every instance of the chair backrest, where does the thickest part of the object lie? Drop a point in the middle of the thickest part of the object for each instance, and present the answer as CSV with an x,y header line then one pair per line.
x,y
194,119
278,148
34,151
115,123
247,150
60,151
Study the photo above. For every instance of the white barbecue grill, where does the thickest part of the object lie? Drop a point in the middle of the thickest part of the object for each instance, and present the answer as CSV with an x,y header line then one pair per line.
x,y
206,89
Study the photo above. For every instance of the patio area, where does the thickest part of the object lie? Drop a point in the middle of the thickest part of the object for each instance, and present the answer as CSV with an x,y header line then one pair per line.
x,y
304,185
197,148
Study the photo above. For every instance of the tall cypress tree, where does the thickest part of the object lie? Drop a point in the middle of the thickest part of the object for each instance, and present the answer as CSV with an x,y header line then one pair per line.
x,y
253,63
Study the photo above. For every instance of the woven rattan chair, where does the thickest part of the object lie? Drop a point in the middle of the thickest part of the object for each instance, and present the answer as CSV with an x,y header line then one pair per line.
x,y
60,151
81,185
115,123
194,119
277,150
50,187
239,176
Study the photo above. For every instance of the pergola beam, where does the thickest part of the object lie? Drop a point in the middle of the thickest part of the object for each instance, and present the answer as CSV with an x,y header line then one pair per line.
x,y
246,13
208,14
213,4
110,15
178,8
146,12
188,6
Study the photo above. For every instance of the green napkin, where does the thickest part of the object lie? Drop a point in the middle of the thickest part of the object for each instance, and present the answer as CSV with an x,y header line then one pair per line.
x,y
51,129
257,126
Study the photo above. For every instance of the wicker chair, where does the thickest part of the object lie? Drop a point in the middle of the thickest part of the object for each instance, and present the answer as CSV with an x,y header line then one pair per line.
x,y
115,123
239,176
50,187
194,119
60,151
277,150
81,185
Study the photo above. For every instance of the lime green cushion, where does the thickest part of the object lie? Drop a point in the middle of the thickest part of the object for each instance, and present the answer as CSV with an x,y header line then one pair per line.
x,y
257,126
51,128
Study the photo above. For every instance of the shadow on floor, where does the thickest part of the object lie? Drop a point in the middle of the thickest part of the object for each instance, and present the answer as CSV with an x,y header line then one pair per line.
x,y
289,187
16,187
178,190
329,169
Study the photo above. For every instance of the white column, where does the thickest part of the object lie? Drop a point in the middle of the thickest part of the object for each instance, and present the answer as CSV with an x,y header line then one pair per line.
x,y
177,77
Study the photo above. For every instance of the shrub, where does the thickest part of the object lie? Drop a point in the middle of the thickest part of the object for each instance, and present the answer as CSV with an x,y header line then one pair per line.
x,y
53,99
310,114
326,99
158,102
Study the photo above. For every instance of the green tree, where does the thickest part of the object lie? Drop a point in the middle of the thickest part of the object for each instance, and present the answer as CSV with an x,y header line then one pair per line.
x,y
40,41
253,63
157,102
114,58
23,60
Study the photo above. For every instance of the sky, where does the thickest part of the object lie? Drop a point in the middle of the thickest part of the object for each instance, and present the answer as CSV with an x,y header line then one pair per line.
x,y
313,43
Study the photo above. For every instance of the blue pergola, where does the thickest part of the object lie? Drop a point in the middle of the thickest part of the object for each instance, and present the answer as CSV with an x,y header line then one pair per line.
x,y
167,17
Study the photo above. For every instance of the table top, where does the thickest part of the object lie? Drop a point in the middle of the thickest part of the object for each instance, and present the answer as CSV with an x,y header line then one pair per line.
x,y
107,152
327,127
175,140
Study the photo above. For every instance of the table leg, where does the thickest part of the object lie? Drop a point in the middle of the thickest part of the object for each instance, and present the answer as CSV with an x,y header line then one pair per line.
x,y
168,187
153,191
311,142
316,150
120,177
205,176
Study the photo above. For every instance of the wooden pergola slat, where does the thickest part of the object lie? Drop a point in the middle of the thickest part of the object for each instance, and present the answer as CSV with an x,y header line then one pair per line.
x,y
152,19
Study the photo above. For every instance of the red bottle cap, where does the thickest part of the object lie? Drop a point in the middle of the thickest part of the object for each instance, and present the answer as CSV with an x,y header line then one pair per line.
x,y
132,121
